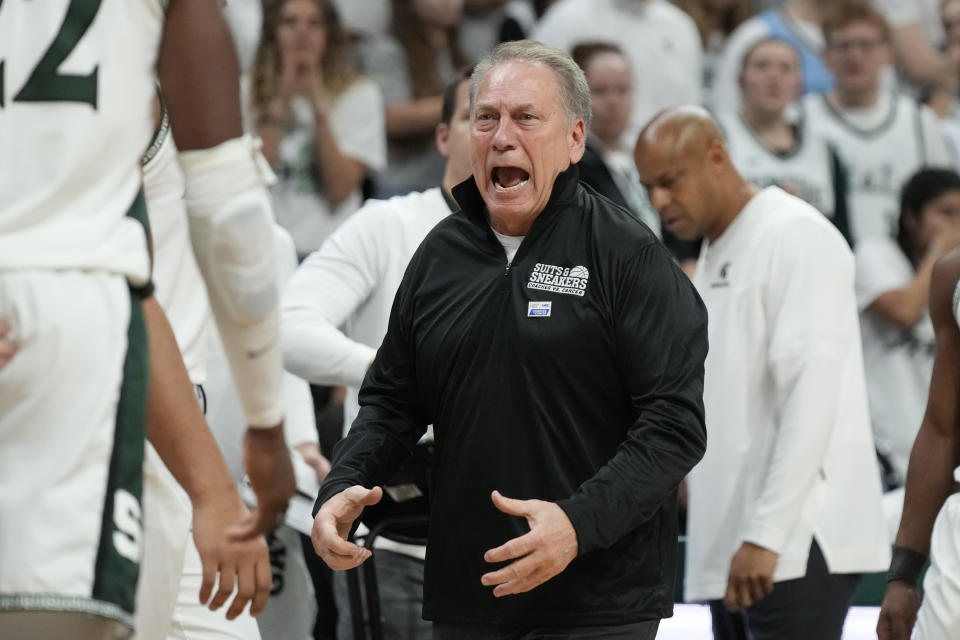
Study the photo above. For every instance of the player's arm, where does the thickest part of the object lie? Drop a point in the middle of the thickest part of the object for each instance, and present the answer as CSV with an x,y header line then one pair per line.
x,y
932,460
177,430
230,228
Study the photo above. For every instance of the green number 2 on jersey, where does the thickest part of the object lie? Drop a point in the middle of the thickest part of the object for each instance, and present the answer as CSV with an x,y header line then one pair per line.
x,y
46,83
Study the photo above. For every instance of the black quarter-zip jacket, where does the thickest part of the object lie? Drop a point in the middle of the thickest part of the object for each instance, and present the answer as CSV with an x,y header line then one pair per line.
x,y
574,375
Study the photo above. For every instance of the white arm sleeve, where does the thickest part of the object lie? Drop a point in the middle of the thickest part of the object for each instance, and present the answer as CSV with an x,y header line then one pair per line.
x,y
231,231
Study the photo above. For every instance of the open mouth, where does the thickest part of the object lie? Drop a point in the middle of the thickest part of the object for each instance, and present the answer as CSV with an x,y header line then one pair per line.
x,y
508,179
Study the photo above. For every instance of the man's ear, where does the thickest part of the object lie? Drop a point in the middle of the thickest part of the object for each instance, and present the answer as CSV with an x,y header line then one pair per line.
x,y
717,155
442,137
578,140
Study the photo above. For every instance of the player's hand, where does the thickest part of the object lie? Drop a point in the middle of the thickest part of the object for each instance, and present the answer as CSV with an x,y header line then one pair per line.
x,y
8,348
310,452
243,565
751,576
540,554
898,613
332,526
268,465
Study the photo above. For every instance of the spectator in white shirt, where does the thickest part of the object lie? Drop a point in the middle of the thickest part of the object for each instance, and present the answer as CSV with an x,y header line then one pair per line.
x,y
321,124
660,41
882,137
893,283
770,148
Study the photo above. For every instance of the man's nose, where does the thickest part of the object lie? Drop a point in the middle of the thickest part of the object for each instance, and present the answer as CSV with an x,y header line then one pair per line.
x,y
504,136
659,198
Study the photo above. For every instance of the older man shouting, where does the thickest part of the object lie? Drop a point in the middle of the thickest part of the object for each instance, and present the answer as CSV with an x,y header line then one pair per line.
x,y
558,351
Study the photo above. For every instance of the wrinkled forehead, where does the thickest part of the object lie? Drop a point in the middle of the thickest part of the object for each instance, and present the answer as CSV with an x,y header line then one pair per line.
x,y
518,81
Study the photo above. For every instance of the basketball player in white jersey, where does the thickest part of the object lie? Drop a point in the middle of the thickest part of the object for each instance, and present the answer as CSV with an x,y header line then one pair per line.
x,y
930,524
769,148
883,138
171,571
76,75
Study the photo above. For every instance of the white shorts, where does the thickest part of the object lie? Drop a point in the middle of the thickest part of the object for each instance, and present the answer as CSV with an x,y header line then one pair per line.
x,y
168,606
939,615
166,519
194,621
72,430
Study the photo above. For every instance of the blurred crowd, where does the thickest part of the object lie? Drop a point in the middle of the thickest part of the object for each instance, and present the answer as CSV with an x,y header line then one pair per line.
x,y
851,106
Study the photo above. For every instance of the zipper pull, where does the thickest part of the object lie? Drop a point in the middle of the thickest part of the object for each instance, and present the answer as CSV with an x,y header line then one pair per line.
x,y
507,271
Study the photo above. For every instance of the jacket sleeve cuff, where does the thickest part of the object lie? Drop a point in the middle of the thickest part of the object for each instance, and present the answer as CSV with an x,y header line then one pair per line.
x,y
582,521
327,491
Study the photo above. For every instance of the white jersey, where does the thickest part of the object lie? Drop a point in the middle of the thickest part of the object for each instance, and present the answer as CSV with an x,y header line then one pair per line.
x,y
179,285
87,67
805,171
881,148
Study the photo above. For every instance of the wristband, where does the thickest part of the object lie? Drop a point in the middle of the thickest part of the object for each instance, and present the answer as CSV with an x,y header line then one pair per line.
x,y
906,565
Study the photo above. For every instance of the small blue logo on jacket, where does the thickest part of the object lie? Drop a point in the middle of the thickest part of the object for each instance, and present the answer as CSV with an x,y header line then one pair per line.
x,y
538,309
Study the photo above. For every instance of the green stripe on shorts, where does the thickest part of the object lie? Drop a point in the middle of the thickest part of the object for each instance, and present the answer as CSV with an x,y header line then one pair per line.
x,y
121,537
138,211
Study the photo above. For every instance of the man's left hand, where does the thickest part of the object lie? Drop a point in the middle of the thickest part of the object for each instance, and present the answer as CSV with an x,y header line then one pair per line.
x,y
751,576
267,461
540,554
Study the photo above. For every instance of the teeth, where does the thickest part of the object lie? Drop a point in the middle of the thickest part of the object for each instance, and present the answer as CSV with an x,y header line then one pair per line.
x,y
500,187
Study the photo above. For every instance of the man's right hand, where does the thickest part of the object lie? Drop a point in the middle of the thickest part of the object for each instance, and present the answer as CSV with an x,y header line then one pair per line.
x,y
331,527
267,462
233,565
898,613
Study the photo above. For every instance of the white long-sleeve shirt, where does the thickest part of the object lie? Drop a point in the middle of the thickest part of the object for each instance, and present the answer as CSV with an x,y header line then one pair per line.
x,y
789,453
350,282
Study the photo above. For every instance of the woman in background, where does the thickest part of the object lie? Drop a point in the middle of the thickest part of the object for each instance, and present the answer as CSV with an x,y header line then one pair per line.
x,y
321,124
892,285
413,65
769,147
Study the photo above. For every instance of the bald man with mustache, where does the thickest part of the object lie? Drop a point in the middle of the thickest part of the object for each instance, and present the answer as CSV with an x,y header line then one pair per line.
x,y
784,512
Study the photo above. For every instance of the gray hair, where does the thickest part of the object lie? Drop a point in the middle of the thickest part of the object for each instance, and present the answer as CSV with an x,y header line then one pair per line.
x,y
575,94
